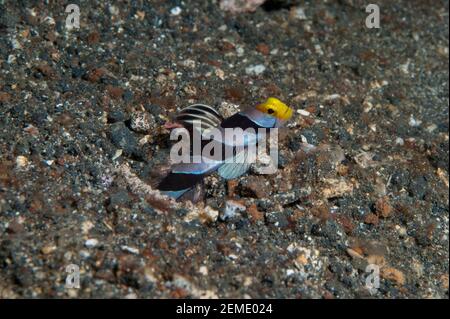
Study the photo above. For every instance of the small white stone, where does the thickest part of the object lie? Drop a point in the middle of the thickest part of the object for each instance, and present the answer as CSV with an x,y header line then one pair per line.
x,y
240,51
399,141
48,249
292,247
68,255
247,281
145,140
367,106
431,128
299,13
21,161
86,226
231,209
72,293
130,249
11,59
232,256
175,11
211,214
141,121
303,112
255,69
318,49
290,272
49,162
15,44
220,73
402,231
84,254
49,20
117,154
203,270
413,122
91,243
188,63
404,67
113,10
331,97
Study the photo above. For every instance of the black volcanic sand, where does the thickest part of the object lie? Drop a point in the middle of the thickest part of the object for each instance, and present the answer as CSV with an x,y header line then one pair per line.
x,y
79,107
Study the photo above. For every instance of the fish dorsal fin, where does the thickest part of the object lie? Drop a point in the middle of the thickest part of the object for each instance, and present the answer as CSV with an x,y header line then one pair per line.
x,y
207,115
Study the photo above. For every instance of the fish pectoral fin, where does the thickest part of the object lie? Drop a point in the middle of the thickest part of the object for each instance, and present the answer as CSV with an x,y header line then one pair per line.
x,y
234,169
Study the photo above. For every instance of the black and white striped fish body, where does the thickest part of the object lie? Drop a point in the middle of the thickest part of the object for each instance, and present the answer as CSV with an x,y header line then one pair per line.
x,y
234,158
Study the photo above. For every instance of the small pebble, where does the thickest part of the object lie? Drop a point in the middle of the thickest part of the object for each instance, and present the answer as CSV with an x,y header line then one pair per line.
x,y
85,254
203,270
298,13
48,249
175,11
130,249
413,122
290,272
232,208
141,122
399,141
21,161
91,243
211,214
255,69
303,112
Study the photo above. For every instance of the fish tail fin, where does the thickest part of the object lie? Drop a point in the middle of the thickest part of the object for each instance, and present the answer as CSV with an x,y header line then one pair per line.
x,y
177,184
175,194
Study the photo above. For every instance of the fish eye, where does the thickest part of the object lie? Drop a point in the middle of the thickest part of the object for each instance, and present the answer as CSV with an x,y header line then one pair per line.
x,y
270,111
